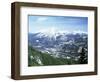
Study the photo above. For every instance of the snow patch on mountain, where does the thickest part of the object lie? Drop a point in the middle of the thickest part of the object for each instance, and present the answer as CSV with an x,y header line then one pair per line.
x,y
53,32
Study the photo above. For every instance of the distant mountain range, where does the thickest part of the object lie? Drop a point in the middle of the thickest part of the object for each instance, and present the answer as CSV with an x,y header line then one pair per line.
x,y
59,44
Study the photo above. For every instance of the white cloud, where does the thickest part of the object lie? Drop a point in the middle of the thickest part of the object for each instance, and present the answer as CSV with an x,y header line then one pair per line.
x,y
51,30
40,19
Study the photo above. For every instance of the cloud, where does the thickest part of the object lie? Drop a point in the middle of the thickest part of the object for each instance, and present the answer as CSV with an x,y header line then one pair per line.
x,y
40,19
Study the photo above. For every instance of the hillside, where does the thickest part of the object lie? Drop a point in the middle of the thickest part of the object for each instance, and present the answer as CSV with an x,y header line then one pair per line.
x,y
37,58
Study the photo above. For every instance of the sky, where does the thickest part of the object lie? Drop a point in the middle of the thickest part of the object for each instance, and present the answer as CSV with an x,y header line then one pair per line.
x,y
57,23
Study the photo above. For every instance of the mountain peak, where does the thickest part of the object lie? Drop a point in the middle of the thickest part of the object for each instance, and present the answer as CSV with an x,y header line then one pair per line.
x,y
55,33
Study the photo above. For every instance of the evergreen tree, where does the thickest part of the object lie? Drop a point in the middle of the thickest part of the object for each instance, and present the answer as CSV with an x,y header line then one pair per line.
x,y
83,56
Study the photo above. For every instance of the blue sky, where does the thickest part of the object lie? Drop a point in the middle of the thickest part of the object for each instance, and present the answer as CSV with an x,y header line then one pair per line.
x,y
60,23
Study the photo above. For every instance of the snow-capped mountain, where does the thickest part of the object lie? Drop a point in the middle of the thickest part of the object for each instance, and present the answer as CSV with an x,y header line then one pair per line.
x,y
54,33
58,43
